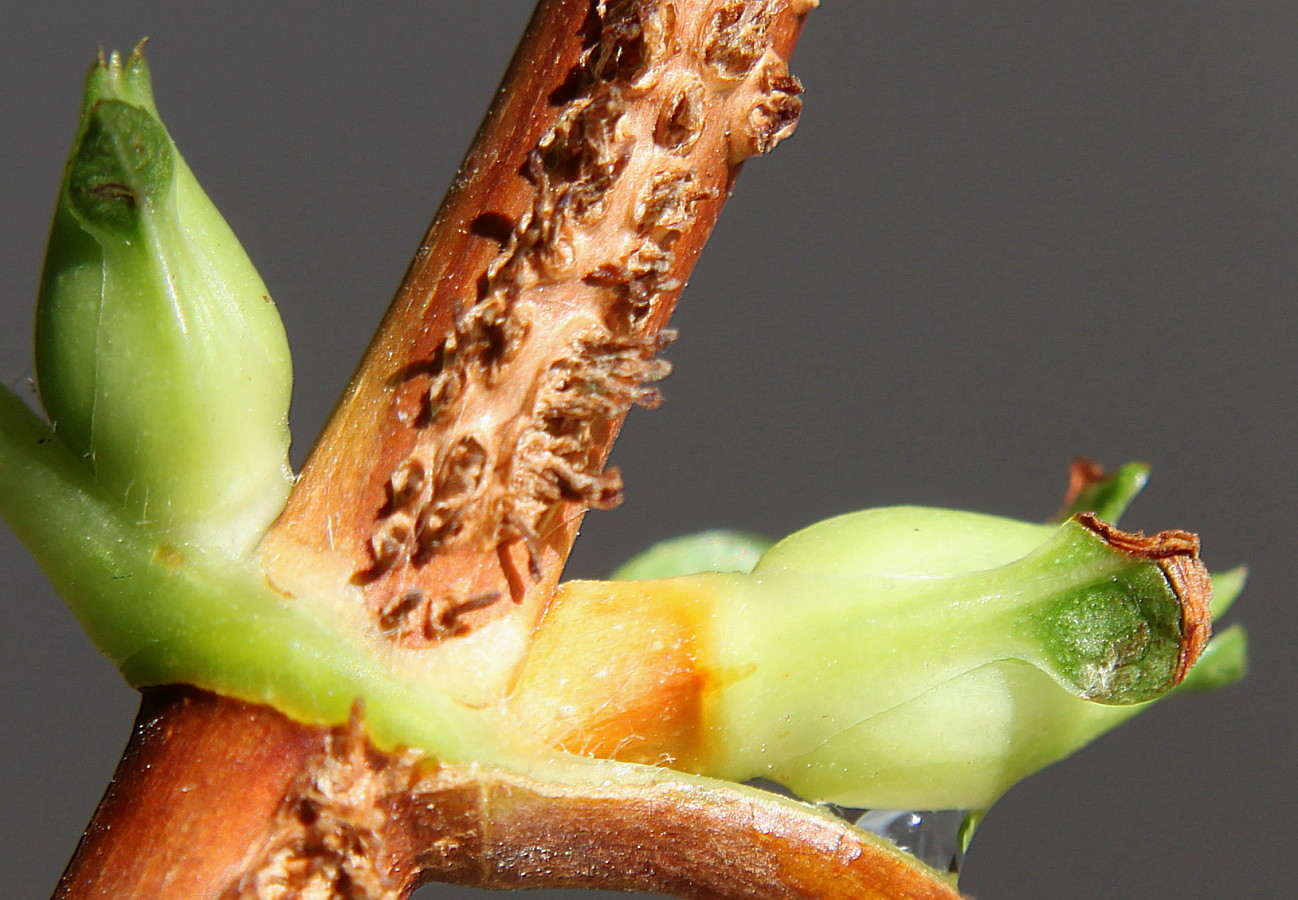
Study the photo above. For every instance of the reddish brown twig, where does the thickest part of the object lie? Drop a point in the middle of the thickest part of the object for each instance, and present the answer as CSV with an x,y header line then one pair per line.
x,y
224,800
196,786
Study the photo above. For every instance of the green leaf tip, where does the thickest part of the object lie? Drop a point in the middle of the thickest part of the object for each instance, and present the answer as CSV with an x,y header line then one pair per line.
x,y
122,162
1106,495
161,361
1226,588
128,80
717,550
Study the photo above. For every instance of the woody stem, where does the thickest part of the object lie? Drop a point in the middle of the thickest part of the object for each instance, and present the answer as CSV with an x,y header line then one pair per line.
x,y
446,491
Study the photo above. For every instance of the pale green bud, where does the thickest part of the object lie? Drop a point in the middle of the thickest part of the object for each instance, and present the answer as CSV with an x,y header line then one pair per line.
x,y
914,658
161,360
922,658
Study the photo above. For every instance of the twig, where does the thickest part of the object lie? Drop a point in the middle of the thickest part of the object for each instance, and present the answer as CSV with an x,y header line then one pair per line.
x,y
446,492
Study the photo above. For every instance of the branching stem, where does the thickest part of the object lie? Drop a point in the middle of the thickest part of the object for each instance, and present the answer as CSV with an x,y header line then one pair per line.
x,y
446,492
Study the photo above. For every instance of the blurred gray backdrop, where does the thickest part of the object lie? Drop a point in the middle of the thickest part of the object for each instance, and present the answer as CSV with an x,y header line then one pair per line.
x,y
1006,233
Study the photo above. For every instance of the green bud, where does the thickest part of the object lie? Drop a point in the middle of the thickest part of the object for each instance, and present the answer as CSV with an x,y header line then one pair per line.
x,y
929,659
926,658
161,360
964,741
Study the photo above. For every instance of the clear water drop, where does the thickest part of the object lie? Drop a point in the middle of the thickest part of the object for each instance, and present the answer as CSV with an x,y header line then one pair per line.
x,y
937,837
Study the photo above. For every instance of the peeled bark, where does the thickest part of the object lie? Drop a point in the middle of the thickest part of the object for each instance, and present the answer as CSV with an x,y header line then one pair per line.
x,y
449,485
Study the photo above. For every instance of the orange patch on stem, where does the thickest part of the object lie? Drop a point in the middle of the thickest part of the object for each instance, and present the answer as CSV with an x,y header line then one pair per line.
x,y
613,673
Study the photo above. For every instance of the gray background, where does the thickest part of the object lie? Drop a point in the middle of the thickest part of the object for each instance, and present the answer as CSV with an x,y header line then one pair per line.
x,y
1005,234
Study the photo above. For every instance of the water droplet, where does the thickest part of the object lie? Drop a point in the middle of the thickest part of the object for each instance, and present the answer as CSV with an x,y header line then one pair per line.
x,y
937,837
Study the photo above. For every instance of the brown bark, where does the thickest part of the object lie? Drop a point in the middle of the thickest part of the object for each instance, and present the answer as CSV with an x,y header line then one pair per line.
x,y
196,786
676,838
446,492
228,801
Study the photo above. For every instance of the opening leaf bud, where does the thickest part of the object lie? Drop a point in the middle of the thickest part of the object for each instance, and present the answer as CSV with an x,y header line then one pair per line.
x,y
161,360
901,658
